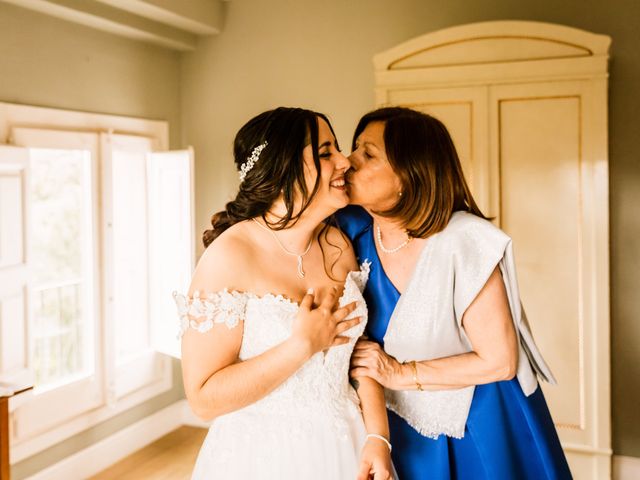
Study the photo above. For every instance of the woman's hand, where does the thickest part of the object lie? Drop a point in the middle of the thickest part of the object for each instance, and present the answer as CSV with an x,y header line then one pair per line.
x,y
375,461
370,360
321,327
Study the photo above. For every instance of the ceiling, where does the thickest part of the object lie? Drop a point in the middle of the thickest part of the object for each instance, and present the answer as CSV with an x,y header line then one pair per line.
x,y
173,24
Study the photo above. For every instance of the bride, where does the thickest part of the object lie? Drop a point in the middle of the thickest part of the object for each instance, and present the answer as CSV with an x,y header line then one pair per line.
x,y
273,312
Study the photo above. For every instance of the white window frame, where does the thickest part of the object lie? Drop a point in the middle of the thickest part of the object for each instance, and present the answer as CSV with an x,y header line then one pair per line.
x,y
21,116
85,390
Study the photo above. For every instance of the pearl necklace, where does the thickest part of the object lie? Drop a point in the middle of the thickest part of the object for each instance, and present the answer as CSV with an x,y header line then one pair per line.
x,y
297,255
390,250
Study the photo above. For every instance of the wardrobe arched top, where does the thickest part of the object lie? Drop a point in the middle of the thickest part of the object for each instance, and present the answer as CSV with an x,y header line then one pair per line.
x,y
496,42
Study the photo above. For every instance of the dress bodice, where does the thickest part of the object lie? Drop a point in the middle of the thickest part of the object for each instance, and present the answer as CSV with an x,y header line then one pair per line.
x,y
321,385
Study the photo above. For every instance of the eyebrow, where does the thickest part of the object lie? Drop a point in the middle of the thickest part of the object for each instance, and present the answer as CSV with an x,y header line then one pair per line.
x,y
369,144
328,143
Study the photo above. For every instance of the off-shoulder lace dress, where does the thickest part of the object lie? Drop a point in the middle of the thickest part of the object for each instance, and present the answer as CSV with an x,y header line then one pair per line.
x,y
311,426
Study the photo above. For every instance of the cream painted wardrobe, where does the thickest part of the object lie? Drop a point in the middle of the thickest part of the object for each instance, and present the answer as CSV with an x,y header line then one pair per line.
x,y
526,104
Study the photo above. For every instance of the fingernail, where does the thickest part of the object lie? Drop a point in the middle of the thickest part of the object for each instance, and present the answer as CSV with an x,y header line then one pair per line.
x,y
310,291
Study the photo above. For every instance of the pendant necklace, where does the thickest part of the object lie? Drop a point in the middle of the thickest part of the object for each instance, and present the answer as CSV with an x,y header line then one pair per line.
x,y
390,250
293,254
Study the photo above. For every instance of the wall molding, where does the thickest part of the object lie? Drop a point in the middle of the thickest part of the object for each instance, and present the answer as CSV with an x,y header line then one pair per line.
x,y
106,452
173,25
112,449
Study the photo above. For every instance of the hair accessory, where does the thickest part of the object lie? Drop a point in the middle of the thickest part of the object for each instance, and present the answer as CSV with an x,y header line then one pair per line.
x,y
251,161
379,437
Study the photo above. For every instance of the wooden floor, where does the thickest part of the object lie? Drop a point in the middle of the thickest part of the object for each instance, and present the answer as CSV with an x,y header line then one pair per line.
x,y
170,458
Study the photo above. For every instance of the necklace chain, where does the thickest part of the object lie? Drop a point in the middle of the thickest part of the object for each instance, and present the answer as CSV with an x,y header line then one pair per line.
x,y
390,250
288,252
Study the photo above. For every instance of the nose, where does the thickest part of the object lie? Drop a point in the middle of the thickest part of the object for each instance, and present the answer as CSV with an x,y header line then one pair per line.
x,y
342,162
353,160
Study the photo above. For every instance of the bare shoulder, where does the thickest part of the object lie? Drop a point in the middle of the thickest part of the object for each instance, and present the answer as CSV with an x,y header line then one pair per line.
x,y
224,264
339,251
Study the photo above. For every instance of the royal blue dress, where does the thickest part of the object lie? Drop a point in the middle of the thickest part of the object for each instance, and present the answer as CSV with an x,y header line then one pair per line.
x,y
508,436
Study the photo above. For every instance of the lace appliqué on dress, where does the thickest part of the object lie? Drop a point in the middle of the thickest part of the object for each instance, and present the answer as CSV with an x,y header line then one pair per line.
x,y
359,277
201,313
432,413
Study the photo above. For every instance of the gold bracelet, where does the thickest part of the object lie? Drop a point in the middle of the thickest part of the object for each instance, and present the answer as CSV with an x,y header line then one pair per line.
x,y
415,375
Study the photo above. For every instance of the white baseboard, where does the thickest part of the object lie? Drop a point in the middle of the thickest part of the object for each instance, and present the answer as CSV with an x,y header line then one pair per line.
x,y
106,452
625,468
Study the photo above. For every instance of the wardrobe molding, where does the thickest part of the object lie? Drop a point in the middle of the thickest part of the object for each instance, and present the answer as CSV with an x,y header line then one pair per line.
x,y
495,52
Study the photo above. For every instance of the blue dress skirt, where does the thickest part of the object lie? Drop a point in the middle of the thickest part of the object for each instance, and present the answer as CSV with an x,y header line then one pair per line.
x,y
508,436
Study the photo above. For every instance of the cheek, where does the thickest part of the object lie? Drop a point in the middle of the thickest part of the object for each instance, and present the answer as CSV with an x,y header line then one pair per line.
x,y
372,177
365,173
326,170
375,182
310,176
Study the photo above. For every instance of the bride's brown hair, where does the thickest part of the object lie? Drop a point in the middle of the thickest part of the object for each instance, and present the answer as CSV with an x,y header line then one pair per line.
x,y
279,168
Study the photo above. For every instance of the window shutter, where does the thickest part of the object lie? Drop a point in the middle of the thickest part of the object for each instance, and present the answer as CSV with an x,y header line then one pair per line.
x,y
171,241
14,269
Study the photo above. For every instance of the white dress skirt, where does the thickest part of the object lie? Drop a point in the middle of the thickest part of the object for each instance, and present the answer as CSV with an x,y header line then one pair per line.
x,y
311,426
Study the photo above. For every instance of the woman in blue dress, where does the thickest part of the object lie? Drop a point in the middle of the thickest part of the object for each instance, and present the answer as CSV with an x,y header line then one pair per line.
x,y
448,338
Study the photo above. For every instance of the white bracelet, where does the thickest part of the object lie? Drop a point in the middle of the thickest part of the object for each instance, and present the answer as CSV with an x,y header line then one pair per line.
x,y
380,437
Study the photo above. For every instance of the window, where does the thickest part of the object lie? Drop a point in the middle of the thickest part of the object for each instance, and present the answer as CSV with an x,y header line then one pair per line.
x,y
62,245
106,228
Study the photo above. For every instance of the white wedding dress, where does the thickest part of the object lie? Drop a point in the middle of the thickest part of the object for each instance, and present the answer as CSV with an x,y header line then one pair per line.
x,y
311,426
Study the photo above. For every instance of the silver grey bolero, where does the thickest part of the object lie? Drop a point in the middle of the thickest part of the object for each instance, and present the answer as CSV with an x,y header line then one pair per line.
x,y
427,321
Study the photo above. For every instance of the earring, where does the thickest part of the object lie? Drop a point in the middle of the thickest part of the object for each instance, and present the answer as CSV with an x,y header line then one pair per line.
x,y
400,193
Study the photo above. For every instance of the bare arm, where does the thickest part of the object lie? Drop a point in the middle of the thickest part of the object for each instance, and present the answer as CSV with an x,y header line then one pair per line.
x,y
490,330
216,382
370,392
375,459
374,410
